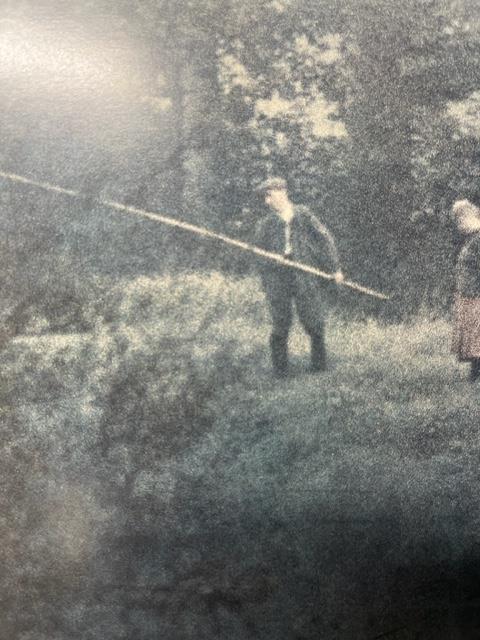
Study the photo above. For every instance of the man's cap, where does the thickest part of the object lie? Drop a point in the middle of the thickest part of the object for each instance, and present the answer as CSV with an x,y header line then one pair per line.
x,y
270,184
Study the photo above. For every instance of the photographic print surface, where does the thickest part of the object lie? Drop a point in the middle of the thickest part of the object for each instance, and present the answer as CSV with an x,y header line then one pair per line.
x,y
240,319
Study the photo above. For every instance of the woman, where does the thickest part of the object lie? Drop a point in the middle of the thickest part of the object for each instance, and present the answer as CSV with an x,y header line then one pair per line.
x,y
466,337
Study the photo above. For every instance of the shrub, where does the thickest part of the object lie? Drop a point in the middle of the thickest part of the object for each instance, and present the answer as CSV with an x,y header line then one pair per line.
x,y
94,421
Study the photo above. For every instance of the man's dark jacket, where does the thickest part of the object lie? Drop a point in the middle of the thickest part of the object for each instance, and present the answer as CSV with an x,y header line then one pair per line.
x,y
312,244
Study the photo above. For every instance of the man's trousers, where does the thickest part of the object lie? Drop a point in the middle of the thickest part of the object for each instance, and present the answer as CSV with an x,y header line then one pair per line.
x,y
283,287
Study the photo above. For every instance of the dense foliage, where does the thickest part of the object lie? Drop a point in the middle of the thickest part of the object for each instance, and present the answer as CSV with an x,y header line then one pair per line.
x,y
156,482
368,108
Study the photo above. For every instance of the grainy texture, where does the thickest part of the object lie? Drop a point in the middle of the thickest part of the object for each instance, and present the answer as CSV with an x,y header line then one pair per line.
x,y
155,480
161,484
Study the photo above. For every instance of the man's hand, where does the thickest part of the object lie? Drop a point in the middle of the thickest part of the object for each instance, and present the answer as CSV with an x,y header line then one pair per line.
x,y
338,277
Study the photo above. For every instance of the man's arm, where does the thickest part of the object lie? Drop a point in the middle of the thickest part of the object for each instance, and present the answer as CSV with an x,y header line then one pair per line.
x,y
322,231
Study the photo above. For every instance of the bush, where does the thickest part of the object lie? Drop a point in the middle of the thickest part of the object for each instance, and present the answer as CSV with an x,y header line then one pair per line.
x,y
93,422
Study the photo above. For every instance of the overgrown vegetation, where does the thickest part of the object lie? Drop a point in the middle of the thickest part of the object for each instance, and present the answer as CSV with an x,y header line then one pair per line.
x,y
157,482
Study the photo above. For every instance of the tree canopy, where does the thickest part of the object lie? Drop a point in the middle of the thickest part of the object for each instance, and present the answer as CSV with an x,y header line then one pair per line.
x,y
368,108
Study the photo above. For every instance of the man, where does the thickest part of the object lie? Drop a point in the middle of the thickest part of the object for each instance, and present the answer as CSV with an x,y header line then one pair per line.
x,y
293,231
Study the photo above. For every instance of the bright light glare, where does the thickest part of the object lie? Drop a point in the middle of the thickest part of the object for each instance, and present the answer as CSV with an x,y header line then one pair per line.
x,y
74,80
58,60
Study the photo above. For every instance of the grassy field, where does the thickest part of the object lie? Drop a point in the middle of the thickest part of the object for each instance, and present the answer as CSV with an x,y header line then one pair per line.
x,y
160,483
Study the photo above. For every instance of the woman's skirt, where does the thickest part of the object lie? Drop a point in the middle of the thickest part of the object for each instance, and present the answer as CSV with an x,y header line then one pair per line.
x,y
466,328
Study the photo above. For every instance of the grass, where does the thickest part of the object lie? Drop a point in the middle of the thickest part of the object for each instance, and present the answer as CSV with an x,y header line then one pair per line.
x,y
212,501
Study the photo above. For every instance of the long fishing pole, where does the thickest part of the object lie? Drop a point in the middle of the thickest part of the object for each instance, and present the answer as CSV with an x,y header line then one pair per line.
x,y
200,231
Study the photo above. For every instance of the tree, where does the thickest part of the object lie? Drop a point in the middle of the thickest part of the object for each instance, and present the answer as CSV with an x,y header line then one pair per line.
x,y
396,82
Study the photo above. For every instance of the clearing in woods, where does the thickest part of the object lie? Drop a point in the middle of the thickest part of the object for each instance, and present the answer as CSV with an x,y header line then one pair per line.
x,y
335,505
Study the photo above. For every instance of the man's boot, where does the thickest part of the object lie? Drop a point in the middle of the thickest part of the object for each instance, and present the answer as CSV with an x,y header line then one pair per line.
x,y
318,360
279,350
474,370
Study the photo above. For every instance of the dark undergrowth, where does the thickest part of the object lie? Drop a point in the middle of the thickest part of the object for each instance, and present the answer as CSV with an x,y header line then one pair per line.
x,y
157,482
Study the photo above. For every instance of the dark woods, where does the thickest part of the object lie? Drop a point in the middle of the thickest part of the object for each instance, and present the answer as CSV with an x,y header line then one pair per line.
x,y
367,108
